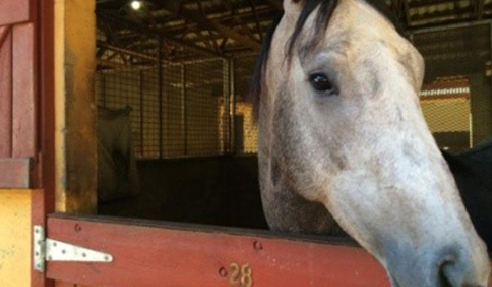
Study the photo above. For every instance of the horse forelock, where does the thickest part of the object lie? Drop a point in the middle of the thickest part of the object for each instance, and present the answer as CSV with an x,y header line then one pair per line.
x,y
326,8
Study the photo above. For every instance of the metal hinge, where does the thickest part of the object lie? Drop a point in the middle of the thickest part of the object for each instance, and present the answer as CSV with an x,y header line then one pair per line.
x,y
46,249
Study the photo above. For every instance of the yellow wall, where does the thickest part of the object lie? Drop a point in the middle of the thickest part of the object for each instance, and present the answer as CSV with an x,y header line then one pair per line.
x,y
15,238
448,115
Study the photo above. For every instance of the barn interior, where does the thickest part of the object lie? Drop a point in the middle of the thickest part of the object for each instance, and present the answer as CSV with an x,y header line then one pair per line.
x,y
180,72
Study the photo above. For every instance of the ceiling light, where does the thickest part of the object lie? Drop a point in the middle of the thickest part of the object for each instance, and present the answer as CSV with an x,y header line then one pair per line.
x,y
136,5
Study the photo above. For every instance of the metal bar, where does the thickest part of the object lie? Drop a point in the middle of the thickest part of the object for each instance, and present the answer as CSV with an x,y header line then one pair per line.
x,y
104,92
479,9
471,116
125,51
161,101
184,119
141,115
232,112
226,116
451,26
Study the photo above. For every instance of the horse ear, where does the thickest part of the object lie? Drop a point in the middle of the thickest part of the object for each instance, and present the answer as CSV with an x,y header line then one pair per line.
x,y
293,7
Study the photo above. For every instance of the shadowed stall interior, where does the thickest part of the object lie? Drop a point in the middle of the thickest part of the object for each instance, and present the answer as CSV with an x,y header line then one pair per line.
x,y
183,69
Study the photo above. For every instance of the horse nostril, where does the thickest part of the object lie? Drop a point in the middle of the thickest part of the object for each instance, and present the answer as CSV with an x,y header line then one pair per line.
x,y
454,271
444,272
448,268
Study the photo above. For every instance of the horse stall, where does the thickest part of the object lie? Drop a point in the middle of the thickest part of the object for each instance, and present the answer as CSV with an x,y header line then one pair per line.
x,y
143,170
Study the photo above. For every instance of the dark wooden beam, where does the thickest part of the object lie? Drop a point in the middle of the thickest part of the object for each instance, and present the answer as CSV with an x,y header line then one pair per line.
x,y
125,51
277,4
460,14
227,20
426,25
210,34
407,13
207,23
257,19
158,34
428,3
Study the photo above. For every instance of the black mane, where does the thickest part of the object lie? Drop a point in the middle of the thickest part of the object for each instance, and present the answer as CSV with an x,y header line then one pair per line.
x,y
326,8
472,171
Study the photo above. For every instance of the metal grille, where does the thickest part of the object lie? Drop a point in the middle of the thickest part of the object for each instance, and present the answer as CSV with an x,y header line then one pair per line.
x,y
456,97
180,99
245,129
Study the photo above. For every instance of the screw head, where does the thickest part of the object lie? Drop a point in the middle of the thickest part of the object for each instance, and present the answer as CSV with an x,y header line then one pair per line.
x,y
257,245
223,271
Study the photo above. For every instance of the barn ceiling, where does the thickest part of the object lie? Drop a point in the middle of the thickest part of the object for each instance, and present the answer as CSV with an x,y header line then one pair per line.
x,y
228,27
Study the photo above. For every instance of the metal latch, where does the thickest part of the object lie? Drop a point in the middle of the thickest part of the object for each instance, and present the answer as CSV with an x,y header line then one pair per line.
x,y
46,249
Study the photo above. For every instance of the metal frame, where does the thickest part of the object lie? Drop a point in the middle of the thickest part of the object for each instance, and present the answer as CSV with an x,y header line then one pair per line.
x,y
454,26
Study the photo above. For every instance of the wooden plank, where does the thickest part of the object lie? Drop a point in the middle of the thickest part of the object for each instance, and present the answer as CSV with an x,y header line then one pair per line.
x,y
5,92
43,200
15,173
24,91
15,11
148,255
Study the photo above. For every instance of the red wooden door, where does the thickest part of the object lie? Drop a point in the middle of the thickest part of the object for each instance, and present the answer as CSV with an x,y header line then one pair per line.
x,y
153,254
26,104
18,93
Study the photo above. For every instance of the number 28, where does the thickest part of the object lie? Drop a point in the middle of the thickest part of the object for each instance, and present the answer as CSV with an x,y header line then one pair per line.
x,y
241,275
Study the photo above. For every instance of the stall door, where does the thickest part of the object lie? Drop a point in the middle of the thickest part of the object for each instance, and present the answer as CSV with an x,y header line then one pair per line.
x,y
156,254
18,93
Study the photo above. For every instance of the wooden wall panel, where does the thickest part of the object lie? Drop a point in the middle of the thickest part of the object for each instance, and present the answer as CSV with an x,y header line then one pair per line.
x,y
15,172
24,91
15,11
5,92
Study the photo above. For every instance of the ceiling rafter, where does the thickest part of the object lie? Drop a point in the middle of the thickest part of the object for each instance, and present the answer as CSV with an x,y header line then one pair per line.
x,y
222,27
137,27
205,22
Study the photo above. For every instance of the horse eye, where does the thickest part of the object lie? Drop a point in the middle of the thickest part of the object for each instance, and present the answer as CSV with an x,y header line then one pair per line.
x,y
321,83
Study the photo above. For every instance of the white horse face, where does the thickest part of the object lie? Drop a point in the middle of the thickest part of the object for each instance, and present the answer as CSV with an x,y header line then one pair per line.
x,y
340,124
